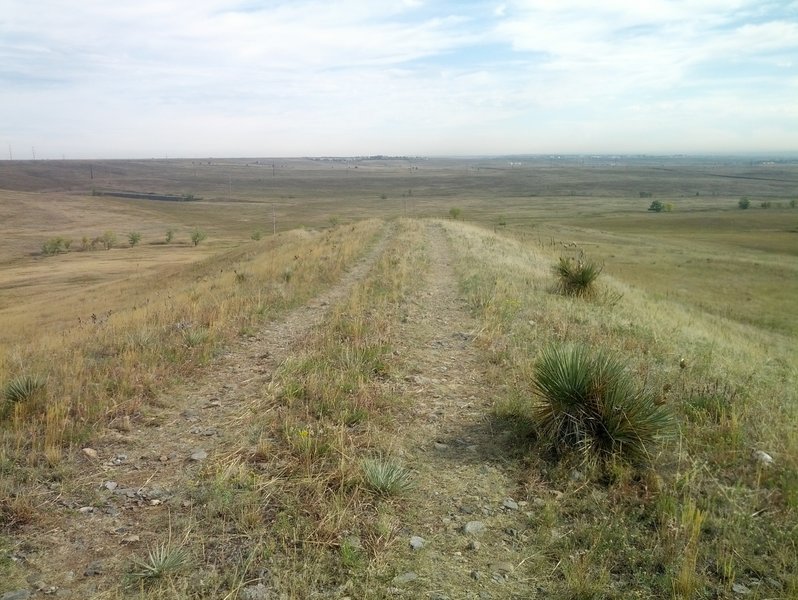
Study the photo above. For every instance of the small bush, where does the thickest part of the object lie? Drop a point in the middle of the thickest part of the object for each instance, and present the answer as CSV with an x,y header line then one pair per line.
x,y
256,235
23,388
744,203
454,213
134,237
792,203
589,401
161,561
53,246
170,235
197,236
765,204
108,240
657,206
384,477
576,277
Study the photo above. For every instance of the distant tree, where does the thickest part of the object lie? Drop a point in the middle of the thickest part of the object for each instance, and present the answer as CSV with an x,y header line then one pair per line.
x,y
170,235
766,204
134,237
108,240
197,236
744,203
657,206
792,203
454,213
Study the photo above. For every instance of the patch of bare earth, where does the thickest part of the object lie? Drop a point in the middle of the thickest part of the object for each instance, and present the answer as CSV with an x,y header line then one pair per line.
x,y
134,479
465,506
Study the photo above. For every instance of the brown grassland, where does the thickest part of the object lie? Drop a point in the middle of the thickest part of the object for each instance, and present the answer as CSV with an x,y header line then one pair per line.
x,y
354,344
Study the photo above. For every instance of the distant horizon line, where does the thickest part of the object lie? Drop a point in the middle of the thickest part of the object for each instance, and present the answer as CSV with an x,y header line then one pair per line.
x,y
781,154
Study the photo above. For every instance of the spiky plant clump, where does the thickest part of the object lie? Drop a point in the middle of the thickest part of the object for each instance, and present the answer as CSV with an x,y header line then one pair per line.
x,y
590,402
23,388
162,560
385,477
576,277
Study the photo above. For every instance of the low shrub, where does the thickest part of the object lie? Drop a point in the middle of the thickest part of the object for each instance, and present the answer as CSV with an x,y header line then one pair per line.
x,y
576,277
589,401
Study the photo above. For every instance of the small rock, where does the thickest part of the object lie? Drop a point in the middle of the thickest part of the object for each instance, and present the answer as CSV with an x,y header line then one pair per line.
x,y
503,567
255,592
404,578
94,568
510,504
213,404
90,452
86,509
577,475
474,528
476,575
130,539
155,502
199,455
110,485
763,458
417,543
163,458
474,545
739,588
16,595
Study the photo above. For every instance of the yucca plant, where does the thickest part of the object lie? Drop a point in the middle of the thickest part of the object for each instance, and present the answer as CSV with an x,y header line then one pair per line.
x,y
589,401
23,388
385,477
161,560
576,277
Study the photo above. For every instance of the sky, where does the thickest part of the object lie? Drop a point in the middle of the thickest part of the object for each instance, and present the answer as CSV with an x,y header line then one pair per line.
x,y
202,78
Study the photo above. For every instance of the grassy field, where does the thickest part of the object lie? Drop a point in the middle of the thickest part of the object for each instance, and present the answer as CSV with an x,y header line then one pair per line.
x,y
699,301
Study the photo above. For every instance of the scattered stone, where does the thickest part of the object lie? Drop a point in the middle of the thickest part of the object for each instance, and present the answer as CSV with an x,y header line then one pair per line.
x,y
163,458
510,504
474,528
94,568
16,595
404,578
503,567
255,592
474,545
476,575
739,588
90,452
539,502
417,543
122,424
199,455
577,475
467,510
763,458
213,404
130,539
441,446
86,509
155,502
120,458
110,485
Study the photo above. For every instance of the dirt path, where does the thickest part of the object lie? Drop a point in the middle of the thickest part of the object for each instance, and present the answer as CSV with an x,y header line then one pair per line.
x,y
133,486
465,505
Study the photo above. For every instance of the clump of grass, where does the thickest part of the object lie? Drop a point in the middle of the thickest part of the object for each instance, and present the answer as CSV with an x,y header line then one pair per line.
x,y
196,336
590,402
161,561
385,477
576,277
23,388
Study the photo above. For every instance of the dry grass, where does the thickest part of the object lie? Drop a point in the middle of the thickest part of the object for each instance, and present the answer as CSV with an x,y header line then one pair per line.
x,y
731,385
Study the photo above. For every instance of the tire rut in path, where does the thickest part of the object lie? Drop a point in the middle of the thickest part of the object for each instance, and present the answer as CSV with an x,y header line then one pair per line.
x,y
461,477
138,476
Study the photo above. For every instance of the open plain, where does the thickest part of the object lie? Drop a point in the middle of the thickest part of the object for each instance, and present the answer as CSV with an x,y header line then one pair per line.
x,y
316,377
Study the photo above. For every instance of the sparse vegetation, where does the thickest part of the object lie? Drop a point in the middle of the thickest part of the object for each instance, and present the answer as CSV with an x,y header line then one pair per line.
x,y
744,203
656,206
162,561
23,388
454,213
134,237
170,235
256,235
53,246
108,240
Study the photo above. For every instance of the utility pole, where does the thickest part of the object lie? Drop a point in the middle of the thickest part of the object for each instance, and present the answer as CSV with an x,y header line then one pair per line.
x,y
274,221
273,173
33,151
10,155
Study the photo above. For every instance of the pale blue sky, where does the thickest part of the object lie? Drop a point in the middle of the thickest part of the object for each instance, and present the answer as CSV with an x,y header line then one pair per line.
x,y
194,78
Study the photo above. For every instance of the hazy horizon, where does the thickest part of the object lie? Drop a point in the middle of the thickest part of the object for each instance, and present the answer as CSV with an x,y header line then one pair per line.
x,y
212,78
